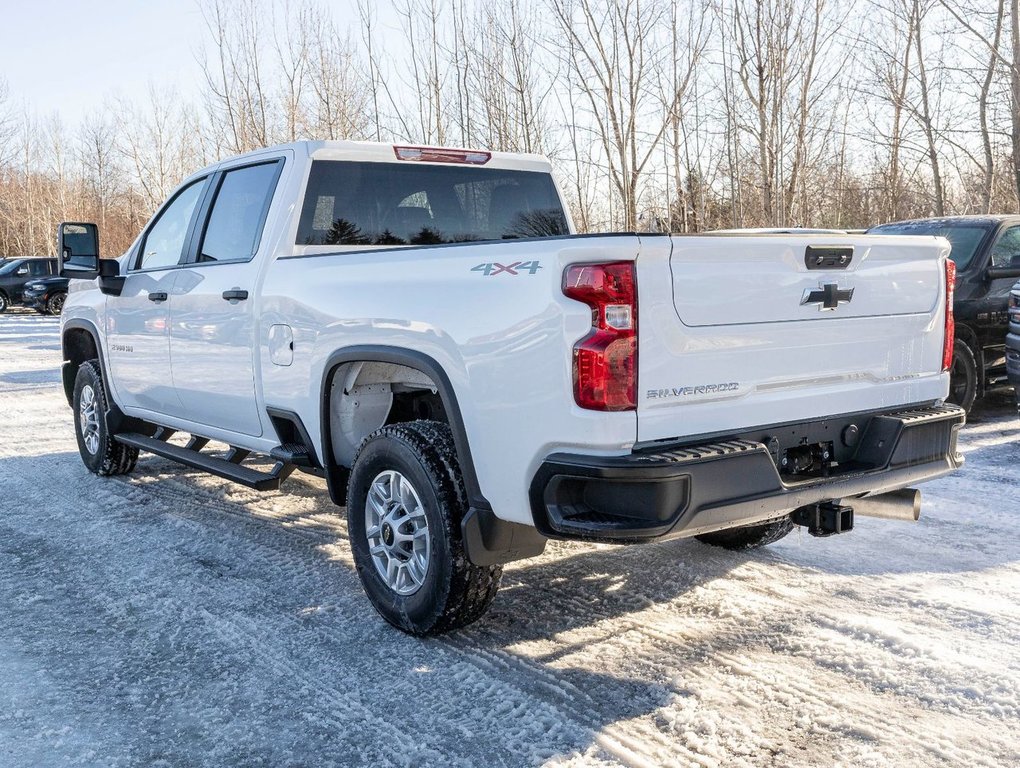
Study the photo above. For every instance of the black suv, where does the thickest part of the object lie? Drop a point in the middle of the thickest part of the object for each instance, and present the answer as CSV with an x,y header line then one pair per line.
x,y
986,250
46,295
14,273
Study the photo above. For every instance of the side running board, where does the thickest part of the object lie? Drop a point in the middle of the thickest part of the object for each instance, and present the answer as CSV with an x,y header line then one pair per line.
x,y
229,468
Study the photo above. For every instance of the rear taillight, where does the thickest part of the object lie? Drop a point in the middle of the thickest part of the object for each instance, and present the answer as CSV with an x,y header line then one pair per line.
x,y
947,342
605,361
442,155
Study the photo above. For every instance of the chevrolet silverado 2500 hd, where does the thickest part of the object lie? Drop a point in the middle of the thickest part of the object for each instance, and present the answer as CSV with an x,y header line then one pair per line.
x,y
422,328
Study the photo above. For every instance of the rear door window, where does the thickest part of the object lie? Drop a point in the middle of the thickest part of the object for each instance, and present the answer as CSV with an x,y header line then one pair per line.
x,y
238,214
364,203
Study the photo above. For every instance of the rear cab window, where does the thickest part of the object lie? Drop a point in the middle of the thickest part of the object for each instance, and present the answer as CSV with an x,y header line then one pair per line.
x,y
349,203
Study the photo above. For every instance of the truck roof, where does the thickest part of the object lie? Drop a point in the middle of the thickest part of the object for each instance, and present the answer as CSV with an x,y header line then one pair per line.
x,y
373,151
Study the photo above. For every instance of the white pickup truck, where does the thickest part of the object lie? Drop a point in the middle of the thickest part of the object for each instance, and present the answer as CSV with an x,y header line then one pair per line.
x,y
421,327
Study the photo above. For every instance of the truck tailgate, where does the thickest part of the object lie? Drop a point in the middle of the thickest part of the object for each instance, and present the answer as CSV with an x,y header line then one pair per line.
x,y
736,332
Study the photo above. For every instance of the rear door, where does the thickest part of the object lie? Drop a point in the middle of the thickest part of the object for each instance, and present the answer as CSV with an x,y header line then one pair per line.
x,y
138,320
740,331
213,334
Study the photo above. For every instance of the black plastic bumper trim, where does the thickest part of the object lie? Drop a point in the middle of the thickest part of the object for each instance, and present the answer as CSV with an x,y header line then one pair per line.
x,y
684,491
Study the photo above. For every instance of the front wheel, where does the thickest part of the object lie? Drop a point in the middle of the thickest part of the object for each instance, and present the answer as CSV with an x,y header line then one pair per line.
x,y
4,303
99,451
405,503
55,303
749,536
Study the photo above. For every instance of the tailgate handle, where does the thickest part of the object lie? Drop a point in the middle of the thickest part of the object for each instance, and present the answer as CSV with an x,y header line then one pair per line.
x,y
828,256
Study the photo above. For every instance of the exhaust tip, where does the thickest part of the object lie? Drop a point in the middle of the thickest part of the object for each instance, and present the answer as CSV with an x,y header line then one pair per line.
x,y
904,504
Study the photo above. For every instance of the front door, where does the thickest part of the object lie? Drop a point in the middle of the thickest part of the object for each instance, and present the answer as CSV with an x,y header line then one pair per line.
x,y
213,335
138,321
991,313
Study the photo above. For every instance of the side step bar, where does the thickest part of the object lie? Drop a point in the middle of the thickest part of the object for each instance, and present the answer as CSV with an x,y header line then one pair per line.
x,y
229,468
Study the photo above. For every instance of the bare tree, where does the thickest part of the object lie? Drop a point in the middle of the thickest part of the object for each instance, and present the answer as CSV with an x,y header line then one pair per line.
x,y
615,56
237,95
157,139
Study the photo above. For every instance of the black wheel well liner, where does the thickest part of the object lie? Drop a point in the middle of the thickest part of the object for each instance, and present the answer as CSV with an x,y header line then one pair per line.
x,y
412,359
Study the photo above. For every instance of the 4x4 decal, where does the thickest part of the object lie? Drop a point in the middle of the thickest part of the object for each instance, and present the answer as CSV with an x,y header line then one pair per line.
x,y
495,268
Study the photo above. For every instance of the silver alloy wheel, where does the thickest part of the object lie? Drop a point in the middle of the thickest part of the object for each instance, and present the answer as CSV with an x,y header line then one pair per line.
x,y
57,303
88,419
397,532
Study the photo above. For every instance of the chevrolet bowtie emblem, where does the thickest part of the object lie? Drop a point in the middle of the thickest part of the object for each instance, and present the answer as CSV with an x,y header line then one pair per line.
x,y
828,296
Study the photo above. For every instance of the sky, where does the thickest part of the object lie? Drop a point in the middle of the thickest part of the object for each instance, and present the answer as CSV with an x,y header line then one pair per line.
x,y
67,56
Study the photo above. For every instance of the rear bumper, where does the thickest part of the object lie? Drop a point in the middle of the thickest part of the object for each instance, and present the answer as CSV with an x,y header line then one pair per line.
x,y
692,489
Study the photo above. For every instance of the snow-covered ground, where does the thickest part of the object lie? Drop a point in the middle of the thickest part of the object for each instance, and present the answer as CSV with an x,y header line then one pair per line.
x,y
173,619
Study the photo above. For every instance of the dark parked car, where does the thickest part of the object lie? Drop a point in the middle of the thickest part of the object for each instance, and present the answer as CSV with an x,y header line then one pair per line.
x,y
986,250
46,294
1013,342
15,273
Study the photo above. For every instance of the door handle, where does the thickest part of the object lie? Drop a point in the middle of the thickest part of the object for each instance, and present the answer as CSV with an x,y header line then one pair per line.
x,y
157,296
235,295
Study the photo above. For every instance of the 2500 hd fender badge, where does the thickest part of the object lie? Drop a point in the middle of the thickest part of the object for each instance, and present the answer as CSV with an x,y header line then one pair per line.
x,y
700,389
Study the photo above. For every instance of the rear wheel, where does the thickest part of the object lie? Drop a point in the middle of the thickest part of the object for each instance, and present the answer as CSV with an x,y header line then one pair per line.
x,y
405,503
963,376
99,451
749,536
4,303
55,304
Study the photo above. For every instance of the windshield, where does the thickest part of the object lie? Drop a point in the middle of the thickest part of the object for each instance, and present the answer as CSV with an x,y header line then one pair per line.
x,y
965,238
358,203
10,267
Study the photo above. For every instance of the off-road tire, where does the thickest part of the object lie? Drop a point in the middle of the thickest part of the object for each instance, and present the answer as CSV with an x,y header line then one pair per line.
x,y
963,377
55,303
749,536
110,457
4,302
454,592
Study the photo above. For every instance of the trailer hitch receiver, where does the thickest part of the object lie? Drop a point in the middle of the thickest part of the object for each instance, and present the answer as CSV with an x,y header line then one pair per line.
x,y
825,519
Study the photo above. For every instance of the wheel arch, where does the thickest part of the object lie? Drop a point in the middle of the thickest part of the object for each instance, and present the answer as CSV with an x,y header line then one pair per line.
x,y
79,341
416,361
488,540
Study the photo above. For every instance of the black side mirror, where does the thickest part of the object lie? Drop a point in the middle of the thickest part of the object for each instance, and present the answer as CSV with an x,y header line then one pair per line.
x,y
78,250
997,273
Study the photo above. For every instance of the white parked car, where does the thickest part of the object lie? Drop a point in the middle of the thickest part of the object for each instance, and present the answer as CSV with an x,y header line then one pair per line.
x,y
422,327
